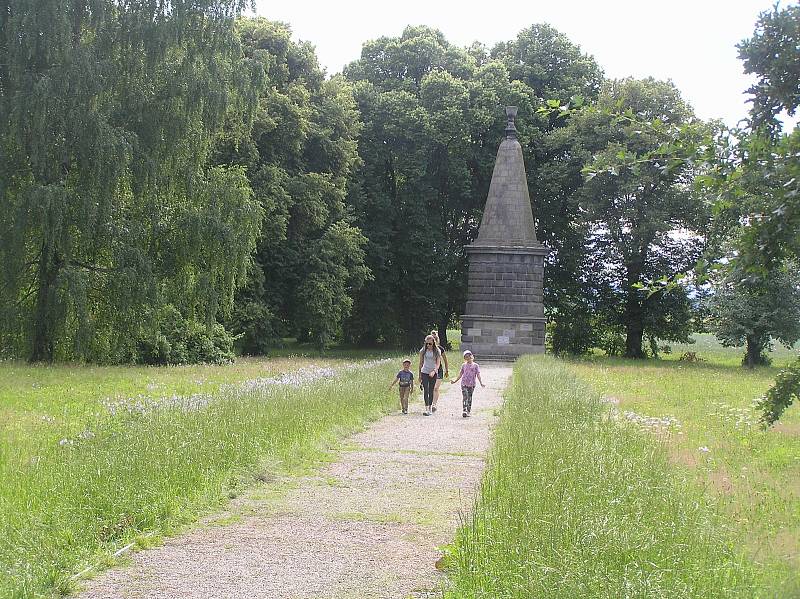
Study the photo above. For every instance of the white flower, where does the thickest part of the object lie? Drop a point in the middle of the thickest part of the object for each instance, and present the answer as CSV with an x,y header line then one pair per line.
x,y
704,449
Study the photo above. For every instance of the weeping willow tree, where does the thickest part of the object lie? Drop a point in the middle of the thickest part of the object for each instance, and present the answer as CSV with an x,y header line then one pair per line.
x,y
109,209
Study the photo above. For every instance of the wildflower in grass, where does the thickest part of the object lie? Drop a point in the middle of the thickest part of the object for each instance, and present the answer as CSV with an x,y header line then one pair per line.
x,y
141,405
704,449
652,423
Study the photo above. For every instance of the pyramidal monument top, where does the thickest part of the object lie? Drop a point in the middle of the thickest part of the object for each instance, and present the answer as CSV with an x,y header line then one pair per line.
x,y
508,217
504,314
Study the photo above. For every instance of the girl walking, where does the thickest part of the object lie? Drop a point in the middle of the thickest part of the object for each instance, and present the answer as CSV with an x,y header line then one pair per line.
x,y
469,372
429,361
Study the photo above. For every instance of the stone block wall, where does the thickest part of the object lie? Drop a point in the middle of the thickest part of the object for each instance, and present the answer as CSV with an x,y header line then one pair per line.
x,y
490,337
504,316
505,284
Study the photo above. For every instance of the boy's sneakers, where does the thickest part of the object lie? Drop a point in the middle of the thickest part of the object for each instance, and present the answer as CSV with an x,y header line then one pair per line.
x,y
426,413
464,415
433,409
405,411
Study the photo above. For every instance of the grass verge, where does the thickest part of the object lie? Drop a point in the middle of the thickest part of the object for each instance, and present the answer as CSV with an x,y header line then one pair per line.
x,y
574,504
153,468
753,474
53,400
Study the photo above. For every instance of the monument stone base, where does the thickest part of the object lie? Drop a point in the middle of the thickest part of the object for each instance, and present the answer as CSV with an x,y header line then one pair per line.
x,y
491,338
504,314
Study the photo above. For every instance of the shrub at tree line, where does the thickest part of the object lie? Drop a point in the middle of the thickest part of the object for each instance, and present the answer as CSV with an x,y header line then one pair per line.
x,y
175,179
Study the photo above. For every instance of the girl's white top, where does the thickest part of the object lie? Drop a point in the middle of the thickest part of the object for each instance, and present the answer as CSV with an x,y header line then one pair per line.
x,y
429,362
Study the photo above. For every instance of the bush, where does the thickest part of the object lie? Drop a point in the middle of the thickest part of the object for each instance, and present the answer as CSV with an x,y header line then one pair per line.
x,y
570,336
178,340
253,322
612,341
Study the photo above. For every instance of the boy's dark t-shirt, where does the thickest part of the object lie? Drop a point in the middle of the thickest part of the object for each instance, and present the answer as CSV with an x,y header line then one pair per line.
x,y
406,377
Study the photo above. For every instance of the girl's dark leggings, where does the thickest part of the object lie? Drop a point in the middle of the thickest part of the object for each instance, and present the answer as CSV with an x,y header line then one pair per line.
x,y
428,383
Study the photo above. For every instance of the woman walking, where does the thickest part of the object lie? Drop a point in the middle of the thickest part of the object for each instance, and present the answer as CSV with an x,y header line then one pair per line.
x,y
442,372
430,359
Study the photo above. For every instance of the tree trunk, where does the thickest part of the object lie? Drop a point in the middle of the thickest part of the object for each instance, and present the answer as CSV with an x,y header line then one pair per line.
x,y
752,357
634,325
42,348
634,336
634,312
443,332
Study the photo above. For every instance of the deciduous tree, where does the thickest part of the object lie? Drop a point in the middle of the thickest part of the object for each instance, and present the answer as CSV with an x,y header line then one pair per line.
x,y
108,207
645,220
753,308
309,262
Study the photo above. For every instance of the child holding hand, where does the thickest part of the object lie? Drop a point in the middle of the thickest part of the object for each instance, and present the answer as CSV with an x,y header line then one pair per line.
x,y
470,371
405,381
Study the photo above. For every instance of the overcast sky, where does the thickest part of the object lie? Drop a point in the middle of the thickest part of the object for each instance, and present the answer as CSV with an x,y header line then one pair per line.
x,y
691,42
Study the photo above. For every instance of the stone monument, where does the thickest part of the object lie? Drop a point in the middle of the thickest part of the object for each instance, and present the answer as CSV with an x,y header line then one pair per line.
x,y
504,316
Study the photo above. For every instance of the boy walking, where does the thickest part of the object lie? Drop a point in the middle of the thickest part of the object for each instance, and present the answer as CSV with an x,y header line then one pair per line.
x,y
470,371
405,382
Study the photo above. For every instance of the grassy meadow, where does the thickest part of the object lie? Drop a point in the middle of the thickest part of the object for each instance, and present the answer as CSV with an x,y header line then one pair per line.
x,y
753,475
708,349
54,401
91,457
609,477
613,477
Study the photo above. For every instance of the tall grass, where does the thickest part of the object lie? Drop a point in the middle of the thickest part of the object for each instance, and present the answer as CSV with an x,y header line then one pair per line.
x,y
574,504
65,505
753,473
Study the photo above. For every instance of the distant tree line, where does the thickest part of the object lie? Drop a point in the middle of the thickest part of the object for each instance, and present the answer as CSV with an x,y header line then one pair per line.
x,y
179,183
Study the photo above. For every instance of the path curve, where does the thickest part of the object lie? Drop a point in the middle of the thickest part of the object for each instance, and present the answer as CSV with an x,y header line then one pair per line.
x,y
366,525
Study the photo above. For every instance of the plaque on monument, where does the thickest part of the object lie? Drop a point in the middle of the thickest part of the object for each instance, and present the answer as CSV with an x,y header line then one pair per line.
x,y
504,316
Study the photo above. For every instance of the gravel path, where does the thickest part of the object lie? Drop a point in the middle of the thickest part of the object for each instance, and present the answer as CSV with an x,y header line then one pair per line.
x,y
367,525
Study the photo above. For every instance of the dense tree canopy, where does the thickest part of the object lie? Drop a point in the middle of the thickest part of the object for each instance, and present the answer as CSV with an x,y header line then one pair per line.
x,y
167,170
310,258
772,56
433,119
550,64
417,196
108,208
